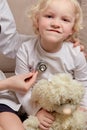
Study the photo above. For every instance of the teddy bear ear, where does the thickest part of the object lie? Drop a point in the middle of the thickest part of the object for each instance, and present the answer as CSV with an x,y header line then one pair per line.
x,y
38,90
34,95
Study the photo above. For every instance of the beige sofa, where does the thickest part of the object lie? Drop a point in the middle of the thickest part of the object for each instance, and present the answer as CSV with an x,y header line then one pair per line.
x,y
24,26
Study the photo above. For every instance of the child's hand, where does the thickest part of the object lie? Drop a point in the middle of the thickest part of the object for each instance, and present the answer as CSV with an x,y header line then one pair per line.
x,y
45,119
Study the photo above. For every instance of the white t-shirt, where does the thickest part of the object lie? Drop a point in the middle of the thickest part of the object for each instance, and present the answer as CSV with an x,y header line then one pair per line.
x,y
68,59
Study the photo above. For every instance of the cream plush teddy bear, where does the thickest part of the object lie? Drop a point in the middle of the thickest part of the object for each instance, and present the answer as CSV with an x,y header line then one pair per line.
x,y
60,95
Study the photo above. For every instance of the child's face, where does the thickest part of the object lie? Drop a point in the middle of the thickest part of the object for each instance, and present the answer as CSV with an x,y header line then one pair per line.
x,y
56,23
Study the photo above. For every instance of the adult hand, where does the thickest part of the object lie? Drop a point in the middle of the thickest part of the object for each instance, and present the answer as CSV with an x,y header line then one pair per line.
x,y
21,83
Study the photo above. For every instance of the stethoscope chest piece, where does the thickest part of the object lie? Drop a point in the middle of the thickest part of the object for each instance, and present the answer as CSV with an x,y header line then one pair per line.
x,y
41,66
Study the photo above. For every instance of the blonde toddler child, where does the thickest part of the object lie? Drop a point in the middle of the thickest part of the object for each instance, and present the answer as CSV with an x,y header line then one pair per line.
x,y
55,22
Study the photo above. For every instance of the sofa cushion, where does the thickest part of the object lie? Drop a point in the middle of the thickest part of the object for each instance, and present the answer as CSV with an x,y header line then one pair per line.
x,y
7,65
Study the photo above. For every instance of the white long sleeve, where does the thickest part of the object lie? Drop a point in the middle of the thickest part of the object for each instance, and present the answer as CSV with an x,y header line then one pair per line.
x,y
10,39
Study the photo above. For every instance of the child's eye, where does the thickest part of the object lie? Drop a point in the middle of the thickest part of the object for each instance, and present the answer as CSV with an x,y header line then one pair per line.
x,y
49,16
66,20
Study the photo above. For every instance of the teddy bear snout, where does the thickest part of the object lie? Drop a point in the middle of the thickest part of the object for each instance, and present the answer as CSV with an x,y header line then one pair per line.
x,y
65,109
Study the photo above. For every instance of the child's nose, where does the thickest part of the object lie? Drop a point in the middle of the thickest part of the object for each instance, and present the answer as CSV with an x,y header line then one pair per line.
x,y
56,23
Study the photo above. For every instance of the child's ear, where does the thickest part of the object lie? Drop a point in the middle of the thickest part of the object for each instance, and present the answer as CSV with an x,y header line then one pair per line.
x,y
37,21
73,31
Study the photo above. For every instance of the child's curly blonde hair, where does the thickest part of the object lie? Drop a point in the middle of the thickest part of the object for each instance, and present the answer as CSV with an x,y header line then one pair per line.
x,y
41,5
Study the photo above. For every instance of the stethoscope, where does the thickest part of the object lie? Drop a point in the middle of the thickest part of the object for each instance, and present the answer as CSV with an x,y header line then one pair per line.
x,y
0,28
41,66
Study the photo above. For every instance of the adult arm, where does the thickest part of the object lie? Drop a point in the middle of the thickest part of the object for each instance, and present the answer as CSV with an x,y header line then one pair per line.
x,y
10,39
20,83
